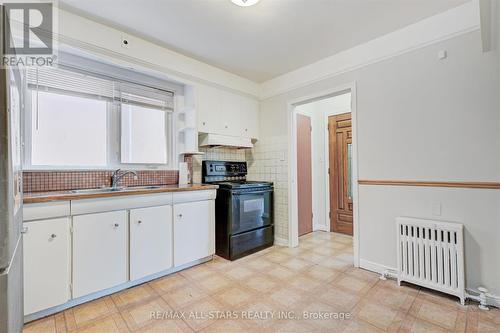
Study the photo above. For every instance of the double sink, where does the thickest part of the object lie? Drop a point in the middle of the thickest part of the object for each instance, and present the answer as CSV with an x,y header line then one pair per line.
x,y
115,189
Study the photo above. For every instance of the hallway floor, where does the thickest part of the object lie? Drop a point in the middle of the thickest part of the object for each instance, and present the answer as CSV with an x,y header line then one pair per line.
x,y
256,293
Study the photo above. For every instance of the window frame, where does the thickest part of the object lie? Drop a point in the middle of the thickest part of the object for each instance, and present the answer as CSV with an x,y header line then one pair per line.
x,y
113,139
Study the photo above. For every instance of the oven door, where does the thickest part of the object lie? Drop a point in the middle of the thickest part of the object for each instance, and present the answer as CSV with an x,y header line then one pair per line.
x,y
252,209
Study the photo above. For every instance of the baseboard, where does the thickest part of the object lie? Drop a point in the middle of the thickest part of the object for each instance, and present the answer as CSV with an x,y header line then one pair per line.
x,y
378,268
280,241
320,227
491,300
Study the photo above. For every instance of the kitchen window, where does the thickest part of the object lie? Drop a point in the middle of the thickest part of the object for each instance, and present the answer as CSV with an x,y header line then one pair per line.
x,y
67,130
80,120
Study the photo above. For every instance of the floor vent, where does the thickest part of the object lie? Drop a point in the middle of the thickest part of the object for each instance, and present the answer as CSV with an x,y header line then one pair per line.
x,y
431,254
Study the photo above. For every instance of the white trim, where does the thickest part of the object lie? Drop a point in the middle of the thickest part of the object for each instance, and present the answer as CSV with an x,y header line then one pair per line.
x,y
486,19
491,300
454,22
320,227
378,268
391,272
293,233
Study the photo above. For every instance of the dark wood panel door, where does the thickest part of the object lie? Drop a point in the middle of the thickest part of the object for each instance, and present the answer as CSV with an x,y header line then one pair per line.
x,y
304,174
340,157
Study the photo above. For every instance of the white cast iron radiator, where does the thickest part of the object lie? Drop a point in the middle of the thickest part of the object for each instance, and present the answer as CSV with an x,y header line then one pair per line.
x,y
431,254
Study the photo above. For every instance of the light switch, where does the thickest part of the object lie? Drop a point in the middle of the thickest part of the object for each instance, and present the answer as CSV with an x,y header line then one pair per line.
x,y
282,156
436,209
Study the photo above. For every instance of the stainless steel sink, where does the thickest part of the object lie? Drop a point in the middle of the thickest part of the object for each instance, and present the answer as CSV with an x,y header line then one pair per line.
x,y
98,190
115,189
148,187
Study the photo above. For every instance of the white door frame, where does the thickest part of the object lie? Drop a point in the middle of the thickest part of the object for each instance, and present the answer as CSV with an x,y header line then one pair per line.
x,y
293,228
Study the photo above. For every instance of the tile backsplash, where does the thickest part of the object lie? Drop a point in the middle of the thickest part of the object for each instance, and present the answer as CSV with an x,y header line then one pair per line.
x,y
267,161
215,154
45,181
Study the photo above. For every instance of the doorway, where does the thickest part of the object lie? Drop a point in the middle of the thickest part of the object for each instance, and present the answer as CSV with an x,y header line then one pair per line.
x,y
341,203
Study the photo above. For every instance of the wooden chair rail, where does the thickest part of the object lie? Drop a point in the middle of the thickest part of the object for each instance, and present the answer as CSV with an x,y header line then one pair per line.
x,y
483,185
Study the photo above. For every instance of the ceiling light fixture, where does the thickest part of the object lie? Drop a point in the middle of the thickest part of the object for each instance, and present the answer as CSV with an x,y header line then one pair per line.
x,y
245,3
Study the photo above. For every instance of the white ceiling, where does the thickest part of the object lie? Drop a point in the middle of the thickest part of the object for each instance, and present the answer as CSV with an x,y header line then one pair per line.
x,y
262,41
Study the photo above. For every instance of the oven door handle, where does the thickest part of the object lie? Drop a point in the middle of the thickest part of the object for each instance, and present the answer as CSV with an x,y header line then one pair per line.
x,y
236,192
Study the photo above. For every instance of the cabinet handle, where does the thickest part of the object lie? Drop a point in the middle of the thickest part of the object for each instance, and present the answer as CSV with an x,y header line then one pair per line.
x,y
53,236
24,230
204,123
180,216
139,222
116,225
226,126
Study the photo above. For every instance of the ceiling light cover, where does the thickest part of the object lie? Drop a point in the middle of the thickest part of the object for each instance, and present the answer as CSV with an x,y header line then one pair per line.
x,y
245,3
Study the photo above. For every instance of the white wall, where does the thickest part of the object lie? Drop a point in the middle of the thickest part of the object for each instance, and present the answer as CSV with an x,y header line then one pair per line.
x,y
420,118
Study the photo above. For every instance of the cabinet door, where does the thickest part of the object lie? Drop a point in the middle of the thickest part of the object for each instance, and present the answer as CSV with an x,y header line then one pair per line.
x,y
194,231
231,108
150,241
99,251
249,117
208,105
46,264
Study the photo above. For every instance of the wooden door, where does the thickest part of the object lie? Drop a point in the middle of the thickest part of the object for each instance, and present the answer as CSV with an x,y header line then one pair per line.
x,y
150,241
340,149
304,174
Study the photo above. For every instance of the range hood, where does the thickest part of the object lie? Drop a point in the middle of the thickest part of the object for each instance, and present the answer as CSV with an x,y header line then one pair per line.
x,y
217,140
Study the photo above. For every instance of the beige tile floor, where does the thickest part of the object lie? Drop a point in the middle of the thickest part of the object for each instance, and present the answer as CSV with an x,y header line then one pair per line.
x,y
250,294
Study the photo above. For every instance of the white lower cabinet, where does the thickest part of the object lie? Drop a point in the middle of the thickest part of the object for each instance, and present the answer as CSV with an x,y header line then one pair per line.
x,y
150,241
96,249
46,264
99,251
194,231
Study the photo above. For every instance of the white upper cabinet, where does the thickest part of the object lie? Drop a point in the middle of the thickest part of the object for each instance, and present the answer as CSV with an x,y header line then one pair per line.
x,y
225,113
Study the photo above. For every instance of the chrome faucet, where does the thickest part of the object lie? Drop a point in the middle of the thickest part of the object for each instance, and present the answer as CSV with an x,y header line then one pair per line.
x,y
117,176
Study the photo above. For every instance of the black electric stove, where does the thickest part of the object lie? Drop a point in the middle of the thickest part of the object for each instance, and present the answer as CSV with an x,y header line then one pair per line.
x,y
244,221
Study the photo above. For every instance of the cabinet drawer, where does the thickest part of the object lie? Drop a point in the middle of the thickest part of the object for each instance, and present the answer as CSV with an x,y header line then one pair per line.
x,y
88,206
45,210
